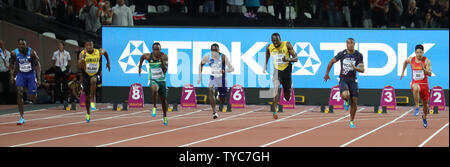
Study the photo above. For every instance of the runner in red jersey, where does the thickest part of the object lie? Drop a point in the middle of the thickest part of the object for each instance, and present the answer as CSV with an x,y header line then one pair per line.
x,y
421,69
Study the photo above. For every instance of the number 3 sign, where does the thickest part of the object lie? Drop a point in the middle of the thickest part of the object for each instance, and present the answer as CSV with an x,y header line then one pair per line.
x,y
388,98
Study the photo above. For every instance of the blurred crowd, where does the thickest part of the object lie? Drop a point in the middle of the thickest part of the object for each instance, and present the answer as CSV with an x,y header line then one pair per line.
x,y
92,14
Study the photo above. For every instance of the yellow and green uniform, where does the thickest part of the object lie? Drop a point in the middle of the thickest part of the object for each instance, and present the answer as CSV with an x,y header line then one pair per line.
x,y
91,70
156,76
278,54
92,62
283,70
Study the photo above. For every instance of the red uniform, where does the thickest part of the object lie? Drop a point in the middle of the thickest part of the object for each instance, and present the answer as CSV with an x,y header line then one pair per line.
x,y
419,77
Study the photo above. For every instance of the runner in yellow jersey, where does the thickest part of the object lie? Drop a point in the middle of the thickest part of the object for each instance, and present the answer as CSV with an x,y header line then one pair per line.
x,y
89,63
283,56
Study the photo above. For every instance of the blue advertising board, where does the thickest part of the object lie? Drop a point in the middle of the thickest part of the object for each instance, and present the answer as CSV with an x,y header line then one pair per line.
x,y
384,52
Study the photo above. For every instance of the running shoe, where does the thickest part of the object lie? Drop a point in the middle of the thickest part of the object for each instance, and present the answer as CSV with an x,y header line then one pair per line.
x,y
165,121
352,125
346,105
425,122
88,118
275,112
154,112
21,121
215,115
93,106
416,113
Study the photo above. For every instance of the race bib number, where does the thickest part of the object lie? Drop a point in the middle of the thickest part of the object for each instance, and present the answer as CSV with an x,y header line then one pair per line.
x,y
279,59
91,68
25,67
418,74
347,65
157,73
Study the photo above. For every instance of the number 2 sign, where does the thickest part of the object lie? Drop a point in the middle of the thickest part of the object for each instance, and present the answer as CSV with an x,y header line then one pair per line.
x,y
437,98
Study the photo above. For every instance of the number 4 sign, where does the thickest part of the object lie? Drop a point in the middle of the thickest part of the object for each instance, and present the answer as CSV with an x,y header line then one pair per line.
x,y
136,96
188,96
335,98
237,98
437,98
388,98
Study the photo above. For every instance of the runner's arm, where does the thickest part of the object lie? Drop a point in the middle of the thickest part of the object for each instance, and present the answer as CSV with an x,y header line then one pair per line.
x,y
105,53
37,64
230,67
427,68
164,62
145,56
14,67
292,53
267,58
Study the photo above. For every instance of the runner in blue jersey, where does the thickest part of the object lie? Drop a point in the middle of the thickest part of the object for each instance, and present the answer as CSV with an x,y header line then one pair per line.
x,y
348,84
25,73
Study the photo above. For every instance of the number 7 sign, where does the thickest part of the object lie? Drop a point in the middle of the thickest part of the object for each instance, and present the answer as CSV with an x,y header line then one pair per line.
x,y
188,96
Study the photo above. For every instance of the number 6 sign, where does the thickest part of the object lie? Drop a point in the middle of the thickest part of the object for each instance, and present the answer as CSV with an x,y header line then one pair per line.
x,y
237,98
188,96
136,96
388,98
437,98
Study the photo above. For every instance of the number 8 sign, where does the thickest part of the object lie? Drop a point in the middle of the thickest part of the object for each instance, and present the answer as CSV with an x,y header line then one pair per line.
x,y
136,96
237,98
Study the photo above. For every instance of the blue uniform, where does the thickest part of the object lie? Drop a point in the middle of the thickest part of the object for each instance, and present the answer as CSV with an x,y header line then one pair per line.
x,y
217,79
26,77
347,76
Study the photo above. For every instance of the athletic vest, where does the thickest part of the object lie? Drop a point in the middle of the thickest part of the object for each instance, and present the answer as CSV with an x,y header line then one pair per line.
x,y
217,66
155,70
278,54
92,62
418,75
25,61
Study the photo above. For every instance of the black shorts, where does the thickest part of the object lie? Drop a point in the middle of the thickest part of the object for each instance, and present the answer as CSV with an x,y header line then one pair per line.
x,y
87,82
350,85
285,77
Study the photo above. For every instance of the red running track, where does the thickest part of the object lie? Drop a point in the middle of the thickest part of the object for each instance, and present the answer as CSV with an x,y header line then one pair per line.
x,y
253,126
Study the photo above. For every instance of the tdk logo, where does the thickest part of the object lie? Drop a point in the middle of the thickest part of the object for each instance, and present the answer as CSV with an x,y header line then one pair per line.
x,y
129,60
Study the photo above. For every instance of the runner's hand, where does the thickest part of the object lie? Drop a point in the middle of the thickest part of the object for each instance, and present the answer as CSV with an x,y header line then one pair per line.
x,y
140,69
38,83
108,66
199,79
326,77
401,77
284,59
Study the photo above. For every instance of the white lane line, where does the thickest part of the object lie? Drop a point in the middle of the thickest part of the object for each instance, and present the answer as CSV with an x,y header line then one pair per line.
x,y
374,130
434,134
172,130
95,131
73,123
56,116
244,129
305,131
